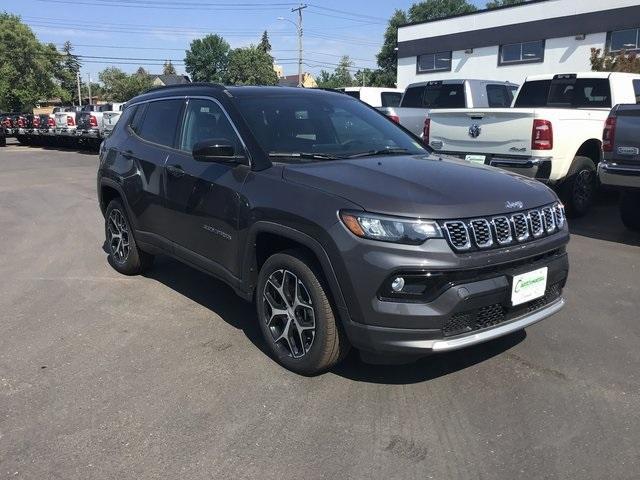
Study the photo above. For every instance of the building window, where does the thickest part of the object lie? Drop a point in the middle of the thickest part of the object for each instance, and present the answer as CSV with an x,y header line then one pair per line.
x,y
624,40
434,62
527,52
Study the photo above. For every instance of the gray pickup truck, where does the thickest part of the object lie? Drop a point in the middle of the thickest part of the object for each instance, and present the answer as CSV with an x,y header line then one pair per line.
x,y
620,166
420,98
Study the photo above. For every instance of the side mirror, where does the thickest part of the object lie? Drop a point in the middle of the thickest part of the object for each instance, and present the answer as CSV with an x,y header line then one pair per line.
x,y
215,150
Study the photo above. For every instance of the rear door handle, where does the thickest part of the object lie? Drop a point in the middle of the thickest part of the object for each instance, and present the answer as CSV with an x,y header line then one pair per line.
x,y
175,170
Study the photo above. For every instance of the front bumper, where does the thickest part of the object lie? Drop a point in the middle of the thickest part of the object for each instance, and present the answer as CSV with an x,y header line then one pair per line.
x,y
619,175
472,305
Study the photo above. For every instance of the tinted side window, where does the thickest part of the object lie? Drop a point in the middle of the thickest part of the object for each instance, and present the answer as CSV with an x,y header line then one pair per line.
x,y
161,122
636,89
390,99
533,94
498,96
205,120
126,118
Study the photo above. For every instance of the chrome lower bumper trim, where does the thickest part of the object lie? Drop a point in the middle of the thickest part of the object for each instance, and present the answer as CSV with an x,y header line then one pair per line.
x,y
456,343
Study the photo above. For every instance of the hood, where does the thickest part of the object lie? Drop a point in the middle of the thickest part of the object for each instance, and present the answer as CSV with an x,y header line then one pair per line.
x,y
432,186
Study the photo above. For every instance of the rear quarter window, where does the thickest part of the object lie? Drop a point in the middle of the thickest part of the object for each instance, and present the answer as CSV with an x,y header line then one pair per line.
x,y
533,94
498,96
437,95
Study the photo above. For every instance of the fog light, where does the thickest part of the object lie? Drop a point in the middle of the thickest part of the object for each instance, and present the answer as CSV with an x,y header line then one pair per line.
x,y
398,284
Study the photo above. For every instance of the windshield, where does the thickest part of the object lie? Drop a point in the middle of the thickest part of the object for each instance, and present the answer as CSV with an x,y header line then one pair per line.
x,y
331,126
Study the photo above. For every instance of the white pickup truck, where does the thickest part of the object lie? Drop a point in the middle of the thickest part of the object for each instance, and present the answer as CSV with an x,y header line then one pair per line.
x,y
421,98
552,133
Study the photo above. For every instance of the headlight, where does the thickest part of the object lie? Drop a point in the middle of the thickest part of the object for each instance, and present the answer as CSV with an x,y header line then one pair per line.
x,y
390,229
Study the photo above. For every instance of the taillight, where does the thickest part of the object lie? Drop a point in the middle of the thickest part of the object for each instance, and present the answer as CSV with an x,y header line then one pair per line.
x,y
395,118
426,129
609,134
36,122
70,121
51,122
93,121
542,135
21,122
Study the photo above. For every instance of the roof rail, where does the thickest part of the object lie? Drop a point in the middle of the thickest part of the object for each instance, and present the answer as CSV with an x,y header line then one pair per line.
x,y
186,85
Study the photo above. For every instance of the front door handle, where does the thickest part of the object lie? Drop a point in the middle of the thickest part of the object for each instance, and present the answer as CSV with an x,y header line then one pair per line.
x,y
175,170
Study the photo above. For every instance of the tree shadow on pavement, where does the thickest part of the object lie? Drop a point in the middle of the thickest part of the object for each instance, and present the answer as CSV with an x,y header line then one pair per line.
x,y
425,368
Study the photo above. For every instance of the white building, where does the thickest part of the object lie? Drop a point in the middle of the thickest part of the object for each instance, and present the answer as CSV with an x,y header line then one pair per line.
x,y
509,43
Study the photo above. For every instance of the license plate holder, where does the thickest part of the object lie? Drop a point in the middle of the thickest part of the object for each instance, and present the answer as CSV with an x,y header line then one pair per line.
x,y
529,286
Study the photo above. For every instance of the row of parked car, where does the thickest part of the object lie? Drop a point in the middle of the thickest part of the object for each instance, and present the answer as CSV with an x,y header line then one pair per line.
x,y
65,126
558,129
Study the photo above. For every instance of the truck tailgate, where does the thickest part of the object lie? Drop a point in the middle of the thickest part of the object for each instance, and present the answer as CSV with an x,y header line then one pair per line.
x,y
501,131
61,119
109,119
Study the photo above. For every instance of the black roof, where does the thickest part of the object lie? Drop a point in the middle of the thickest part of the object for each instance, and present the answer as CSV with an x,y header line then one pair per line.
x,y
502,7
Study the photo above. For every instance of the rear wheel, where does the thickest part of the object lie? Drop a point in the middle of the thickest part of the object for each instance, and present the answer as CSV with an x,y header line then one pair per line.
x,y
579,188
630,210
296,317
124,254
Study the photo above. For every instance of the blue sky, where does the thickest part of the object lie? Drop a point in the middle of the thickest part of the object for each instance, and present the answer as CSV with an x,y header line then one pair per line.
x,y
151,30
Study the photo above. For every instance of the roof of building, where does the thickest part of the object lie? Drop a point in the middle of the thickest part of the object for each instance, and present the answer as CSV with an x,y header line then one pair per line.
x,y
172,79
515,5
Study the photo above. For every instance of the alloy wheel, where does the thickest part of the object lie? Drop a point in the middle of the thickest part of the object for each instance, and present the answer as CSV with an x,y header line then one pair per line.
x,y
118,236
289,313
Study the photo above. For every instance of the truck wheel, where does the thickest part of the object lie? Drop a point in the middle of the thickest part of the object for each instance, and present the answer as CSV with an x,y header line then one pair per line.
x,y
296,317
630,210
579,188
124,254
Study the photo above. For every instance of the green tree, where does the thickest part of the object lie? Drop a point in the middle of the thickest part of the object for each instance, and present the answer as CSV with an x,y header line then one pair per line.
x,y
341,76
419,12
250,66
207,59
121,87
67,75
623,62
388,56
503,3
26,66
264,44
168,68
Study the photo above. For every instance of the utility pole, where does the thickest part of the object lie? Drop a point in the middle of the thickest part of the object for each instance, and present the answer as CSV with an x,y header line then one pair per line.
x,y
89,85
79,89
299,10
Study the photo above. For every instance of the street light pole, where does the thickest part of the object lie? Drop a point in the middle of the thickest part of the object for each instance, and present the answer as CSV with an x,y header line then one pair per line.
x,y
79,89
90,97
299,26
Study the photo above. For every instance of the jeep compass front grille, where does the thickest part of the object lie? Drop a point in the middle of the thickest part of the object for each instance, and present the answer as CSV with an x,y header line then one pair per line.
x,y
503,230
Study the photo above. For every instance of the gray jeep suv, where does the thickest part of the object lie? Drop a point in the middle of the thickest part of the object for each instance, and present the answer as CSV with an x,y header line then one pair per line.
x,y
339,224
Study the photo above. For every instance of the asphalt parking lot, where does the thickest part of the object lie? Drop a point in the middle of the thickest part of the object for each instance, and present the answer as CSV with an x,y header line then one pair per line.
x,y
164,376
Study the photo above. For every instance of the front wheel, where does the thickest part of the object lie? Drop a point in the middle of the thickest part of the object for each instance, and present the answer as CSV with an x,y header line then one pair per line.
x,y
579,189
296,317
630,210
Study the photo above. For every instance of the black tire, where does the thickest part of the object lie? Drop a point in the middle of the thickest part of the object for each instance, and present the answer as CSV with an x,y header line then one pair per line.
x,y
328,344
129,261
630,210
579,188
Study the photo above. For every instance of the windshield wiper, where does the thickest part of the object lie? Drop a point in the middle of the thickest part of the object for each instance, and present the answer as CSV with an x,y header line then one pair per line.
x,y
305,155
382,151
